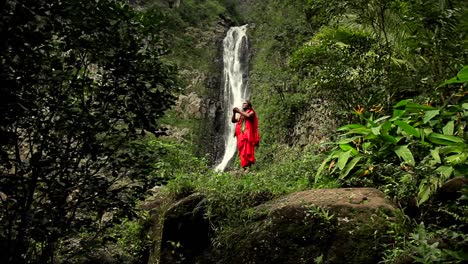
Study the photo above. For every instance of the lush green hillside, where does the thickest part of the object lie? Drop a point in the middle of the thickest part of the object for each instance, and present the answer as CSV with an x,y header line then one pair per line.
x,y
349,94
377,65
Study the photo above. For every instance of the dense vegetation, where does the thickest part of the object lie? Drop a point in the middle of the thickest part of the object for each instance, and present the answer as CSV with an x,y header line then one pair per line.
x,y
81,81
88,84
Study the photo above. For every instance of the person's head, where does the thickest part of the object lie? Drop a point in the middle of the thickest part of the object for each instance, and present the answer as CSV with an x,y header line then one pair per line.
x,y
246,105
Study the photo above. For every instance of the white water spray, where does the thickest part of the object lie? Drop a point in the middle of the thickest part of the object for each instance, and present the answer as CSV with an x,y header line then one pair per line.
x,y
235,85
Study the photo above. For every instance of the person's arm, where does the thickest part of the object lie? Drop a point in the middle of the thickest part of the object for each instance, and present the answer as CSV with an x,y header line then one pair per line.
x,y
246,113
234,111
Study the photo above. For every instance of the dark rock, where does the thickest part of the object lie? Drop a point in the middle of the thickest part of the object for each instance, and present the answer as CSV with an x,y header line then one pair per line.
x,y
183,233
334,225
451,190
327,225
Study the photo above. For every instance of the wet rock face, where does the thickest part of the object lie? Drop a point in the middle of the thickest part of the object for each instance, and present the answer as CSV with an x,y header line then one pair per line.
x,y
326,225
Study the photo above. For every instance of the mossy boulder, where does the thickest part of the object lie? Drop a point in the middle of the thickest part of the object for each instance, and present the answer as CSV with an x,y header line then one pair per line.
x,y
315,226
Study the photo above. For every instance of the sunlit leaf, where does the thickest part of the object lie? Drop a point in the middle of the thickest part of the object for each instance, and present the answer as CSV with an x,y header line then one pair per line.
x,y
435,155
343,159
349,167
424,193
429,115
381,119
376,130
448,128
347,147
461,77
444,139
405,153
349,127
457,158
446,171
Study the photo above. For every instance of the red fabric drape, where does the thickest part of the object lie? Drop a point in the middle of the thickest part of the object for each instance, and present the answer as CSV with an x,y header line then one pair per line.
x,y
247,138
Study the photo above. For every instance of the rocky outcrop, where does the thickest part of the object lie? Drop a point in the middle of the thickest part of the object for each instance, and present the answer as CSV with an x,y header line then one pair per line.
x,y
192,106
314,126
325,225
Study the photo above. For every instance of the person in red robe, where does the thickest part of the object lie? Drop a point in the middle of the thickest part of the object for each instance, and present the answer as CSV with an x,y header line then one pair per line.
x,y
246,133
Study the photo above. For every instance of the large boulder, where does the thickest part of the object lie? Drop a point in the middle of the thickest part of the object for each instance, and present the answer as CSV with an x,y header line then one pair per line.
x,y
181,232
315,226
318,226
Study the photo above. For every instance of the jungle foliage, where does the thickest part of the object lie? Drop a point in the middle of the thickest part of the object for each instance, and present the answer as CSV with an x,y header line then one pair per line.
x,y
350,53
81,82
87,85
380,64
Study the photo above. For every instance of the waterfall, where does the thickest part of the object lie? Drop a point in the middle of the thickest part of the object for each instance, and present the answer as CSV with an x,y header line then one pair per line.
x,y
235,57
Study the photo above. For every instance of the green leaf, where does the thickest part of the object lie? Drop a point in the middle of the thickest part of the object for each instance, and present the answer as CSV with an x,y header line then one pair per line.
x,y
350,126
414,107
446,140
429,115
386,127
465,106
381,119
347,140
424,193
347,147
446,171
435,155
376,130
367,145
452,149
407,128
332,155
405,153
461,77
397,113
448,128
457,158
349,167
389,138
343,159
360,131
400,104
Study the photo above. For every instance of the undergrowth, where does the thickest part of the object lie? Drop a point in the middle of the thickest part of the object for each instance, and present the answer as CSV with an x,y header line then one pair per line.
x,y
231,196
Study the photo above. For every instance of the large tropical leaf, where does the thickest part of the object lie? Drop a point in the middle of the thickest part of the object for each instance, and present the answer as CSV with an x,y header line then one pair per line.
x,y
446,140
429,115
343,159
347,147
349,167
462,77
407,128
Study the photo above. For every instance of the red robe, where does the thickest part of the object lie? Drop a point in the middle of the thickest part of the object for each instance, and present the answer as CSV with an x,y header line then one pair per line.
x,y
247,138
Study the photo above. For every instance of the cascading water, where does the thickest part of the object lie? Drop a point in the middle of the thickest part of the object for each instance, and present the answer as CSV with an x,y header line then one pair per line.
x,y
236,90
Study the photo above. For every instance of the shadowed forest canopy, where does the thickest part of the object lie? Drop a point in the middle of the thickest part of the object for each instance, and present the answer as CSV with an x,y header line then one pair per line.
x,y
364,93
80,81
